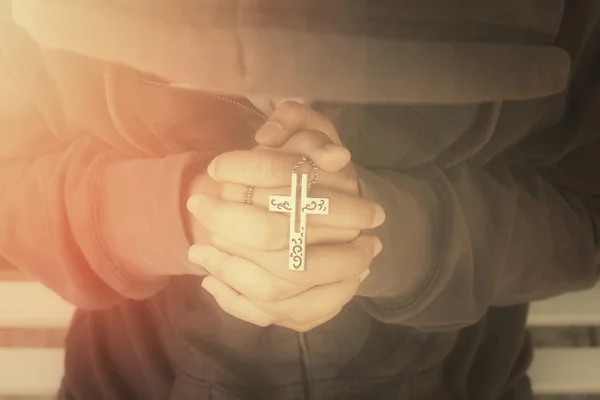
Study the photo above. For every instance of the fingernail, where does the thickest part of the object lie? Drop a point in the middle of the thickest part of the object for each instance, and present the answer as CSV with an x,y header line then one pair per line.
x,y
193,203
210,287
211,169
268,133
364,275
197,255
379,217
197,201
378,248
332,147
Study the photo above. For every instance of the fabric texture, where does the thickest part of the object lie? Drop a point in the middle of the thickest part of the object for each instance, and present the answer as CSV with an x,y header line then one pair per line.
x,y
352,50
482,148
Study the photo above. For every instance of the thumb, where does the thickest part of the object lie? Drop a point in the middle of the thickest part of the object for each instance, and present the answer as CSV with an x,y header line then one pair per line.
x,y
317,146
328,155
290,118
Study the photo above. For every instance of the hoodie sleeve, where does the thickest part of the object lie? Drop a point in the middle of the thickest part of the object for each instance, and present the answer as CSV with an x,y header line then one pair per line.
x,y
505,226
456,242
92,224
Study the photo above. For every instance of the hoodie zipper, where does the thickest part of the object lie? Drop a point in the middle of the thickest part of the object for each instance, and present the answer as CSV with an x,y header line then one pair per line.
x,y
307,379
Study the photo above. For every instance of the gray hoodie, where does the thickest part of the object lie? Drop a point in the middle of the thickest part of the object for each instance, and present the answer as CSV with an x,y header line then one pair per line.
x,y
474,123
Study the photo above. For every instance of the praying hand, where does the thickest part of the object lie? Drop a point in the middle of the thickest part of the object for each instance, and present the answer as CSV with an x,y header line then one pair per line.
x,y
249,246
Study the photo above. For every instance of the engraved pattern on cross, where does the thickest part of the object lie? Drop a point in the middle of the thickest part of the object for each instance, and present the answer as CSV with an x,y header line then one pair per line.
x,y
308,205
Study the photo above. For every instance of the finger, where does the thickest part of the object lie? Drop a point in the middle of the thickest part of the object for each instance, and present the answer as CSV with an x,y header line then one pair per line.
x,y
244,276
319,148
325,263
255,227
235,304
243,309
269,168
310,326
291,117
312,304
345,211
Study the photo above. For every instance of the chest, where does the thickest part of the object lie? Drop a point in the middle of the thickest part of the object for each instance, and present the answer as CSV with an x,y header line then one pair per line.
x,y
405,136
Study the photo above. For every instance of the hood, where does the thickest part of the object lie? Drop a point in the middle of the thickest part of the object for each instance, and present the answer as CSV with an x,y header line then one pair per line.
x,y
436,51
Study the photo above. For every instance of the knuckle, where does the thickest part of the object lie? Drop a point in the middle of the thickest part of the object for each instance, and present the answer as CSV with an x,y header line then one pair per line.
x,y
292,112
266,166
270,167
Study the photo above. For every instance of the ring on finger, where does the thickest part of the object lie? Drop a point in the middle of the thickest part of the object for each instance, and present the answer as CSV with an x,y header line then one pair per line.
x,y
247,195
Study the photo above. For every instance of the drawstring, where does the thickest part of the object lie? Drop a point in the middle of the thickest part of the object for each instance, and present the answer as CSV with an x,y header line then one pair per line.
x,y
309,387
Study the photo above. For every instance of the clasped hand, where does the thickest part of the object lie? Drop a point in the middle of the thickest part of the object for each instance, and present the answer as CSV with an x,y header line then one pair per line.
x,y
247,250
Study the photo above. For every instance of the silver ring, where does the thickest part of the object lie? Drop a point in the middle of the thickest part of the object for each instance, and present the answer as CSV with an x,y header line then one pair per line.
x,y
247,195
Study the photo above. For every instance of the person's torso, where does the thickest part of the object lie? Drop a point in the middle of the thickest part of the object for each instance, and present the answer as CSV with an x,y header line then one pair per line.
x,y
190,349
180,346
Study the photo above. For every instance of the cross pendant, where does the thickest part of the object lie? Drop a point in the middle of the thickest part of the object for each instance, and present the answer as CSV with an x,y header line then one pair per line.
x,y
308,205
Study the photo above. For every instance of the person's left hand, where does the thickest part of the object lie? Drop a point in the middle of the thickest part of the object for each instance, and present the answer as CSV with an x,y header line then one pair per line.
x,y
248,251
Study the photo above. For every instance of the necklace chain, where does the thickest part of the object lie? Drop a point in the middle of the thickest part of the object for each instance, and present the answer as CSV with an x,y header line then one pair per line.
x,y
238,104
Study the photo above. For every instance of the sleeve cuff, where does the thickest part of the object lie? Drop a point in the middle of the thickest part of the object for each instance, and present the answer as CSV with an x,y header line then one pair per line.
x,y
139,222
402,268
